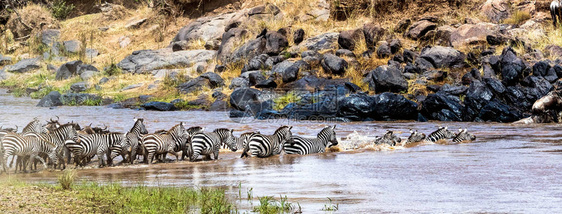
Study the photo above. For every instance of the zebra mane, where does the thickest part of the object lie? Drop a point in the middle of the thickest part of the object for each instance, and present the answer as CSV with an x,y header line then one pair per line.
x,y
72,125
137,121
221,130
283,127
174,127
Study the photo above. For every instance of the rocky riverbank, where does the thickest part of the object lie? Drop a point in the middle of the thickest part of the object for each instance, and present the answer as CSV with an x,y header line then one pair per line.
x,y
490,63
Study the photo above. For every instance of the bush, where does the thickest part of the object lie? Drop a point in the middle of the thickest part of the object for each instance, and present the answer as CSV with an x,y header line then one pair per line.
x,y
60,9
67,179
519,17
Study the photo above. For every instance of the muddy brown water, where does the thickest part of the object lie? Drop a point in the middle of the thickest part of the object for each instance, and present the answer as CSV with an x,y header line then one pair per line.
x,y
509,168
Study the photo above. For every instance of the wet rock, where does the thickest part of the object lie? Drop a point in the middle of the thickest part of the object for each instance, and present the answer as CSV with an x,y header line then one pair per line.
x,y
276,42
373,33
159,106
477,97
388,78
292,72
24,65
541,68
356,106
242,98
333,64
298,36
453,89
443,57
239,82
511,66
219,105
499,112
419,29
440,107
79,87
50,100
496,10
383,50
347,39
145,61
539,85
495,86
390,106
72,46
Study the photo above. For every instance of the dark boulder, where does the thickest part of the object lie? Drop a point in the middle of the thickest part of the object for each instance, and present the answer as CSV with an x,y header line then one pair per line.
x,y
387,78
390,106
541,68
276,42
453,89
512,67
345,52
50,100
373,34
495,86
402,25
214,79
292,72
249,50
383,50
244,98
348,38
419,29
333,64
25,65
477,97
268,83
409,56
356,106
443,57
499,112
395,46
440,107
239,82
67,70
159,106
194,85
79,87
538,86
255,77
298,36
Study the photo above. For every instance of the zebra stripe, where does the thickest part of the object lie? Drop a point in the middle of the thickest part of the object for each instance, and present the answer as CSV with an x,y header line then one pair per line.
x,y
210,143
441,133
388,138
17,144
555,12
164,143
187,150
34,126
304,146
131,145
94,144
463,135
59,136
267,145
415,137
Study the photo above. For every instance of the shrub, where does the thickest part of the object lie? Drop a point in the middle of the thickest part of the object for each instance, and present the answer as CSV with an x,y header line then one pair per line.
x,y
67,179
519,17
60,9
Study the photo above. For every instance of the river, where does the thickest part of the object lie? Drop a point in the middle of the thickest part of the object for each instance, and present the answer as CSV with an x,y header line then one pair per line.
x,y
509,168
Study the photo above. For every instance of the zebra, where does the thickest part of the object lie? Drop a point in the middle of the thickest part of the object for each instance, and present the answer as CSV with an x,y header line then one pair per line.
x,y
242,141
59,136
415,137
555,12
388,138
441,133
164,143
20,145
130,146
267,145
94,144
210,142
463,135
34,126
186,146
304,146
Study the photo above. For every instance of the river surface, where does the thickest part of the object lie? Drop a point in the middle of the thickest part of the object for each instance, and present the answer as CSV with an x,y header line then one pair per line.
x,y
509,168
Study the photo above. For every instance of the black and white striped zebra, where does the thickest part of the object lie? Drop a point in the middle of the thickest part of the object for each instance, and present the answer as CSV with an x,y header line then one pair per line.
x,y
59,136
267,145
210,143
155,144
242,141
441,133
14,144
415,137
34,126
464,136
555,12
388,138
131,146
94,144
304,146
186,149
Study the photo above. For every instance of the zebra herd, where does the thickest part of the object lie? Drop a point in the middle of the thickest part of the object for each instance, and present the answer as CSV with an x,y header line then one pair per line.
x,y
442,133
57,144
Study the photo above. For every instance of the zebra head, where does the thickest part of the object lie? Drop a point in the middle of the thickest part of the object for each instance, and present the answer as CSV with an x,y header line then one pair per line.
x,y
464,135
67,132
227,138
329,134
139,126
415,137
178,133
446,132
52,125
284,133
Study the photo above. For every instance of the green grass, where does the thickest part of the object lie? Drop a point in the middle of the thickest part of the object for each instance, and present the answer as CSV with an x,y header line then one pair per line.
x,y
290,97
330,206
66,180
269,205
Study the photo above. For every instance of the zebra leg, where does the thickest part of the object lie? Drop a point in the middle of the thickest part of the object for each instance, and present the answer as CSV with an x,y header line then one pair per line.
x,y
100,160
216,154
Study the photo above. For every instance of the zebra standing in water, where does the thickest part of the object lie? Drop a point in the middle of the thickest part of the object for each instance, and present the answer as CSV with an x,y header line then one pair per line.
x,y
463,135
441,133
59,136
388,138
186,146
94,144
131,145
304,146
17,144
267,145
34,126
155,144
415,137
210,142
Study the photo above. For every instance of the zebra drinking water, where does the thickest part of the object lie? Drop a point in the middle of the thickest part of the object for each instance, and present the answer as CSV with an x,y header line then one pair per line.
x,y
441,133
267,145
210,142
463,135
17,144
164,143
304,146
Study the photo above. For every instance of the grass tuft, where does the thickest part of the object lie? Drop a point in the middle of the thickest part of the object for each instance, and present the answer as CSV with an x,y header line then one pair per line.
x,y
268,205
66,180
518,18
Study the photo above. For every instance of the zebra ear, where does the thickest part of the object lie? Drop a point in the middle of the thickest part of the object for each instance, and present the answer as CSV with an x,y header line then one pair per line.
x,y
446,127
460,130
465,130
231,131
290,127
334,127
411,131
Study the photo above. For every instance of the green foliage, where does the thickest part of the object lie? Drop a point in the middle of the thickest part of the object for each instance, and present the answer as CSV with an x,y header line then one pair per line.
x,y
91,102
118,97
112,69
66,180
269,205
60,9
184,105
281,102
330,206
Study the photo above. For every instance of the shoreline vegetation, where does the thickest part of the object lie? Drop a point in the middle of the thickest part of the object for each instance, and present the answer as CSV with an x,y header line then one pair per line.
x,y
71,196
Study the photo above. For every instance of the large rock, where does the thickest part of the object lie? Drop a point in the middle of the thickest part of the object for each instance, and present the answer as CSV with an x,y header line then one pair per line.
x,y
67,70
229,43
249,50
242,98
159,106
72,46
50,100
50,37
25,65
419,29
356,106
333,64
206,29
512,67
214,79
326,41
471,33
477,97
496,10
388,78
348,38
145,61
390,106
194,85
499,112
79,87
373,34
440,107
239,82
292,72
276,42
443,57
298,36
